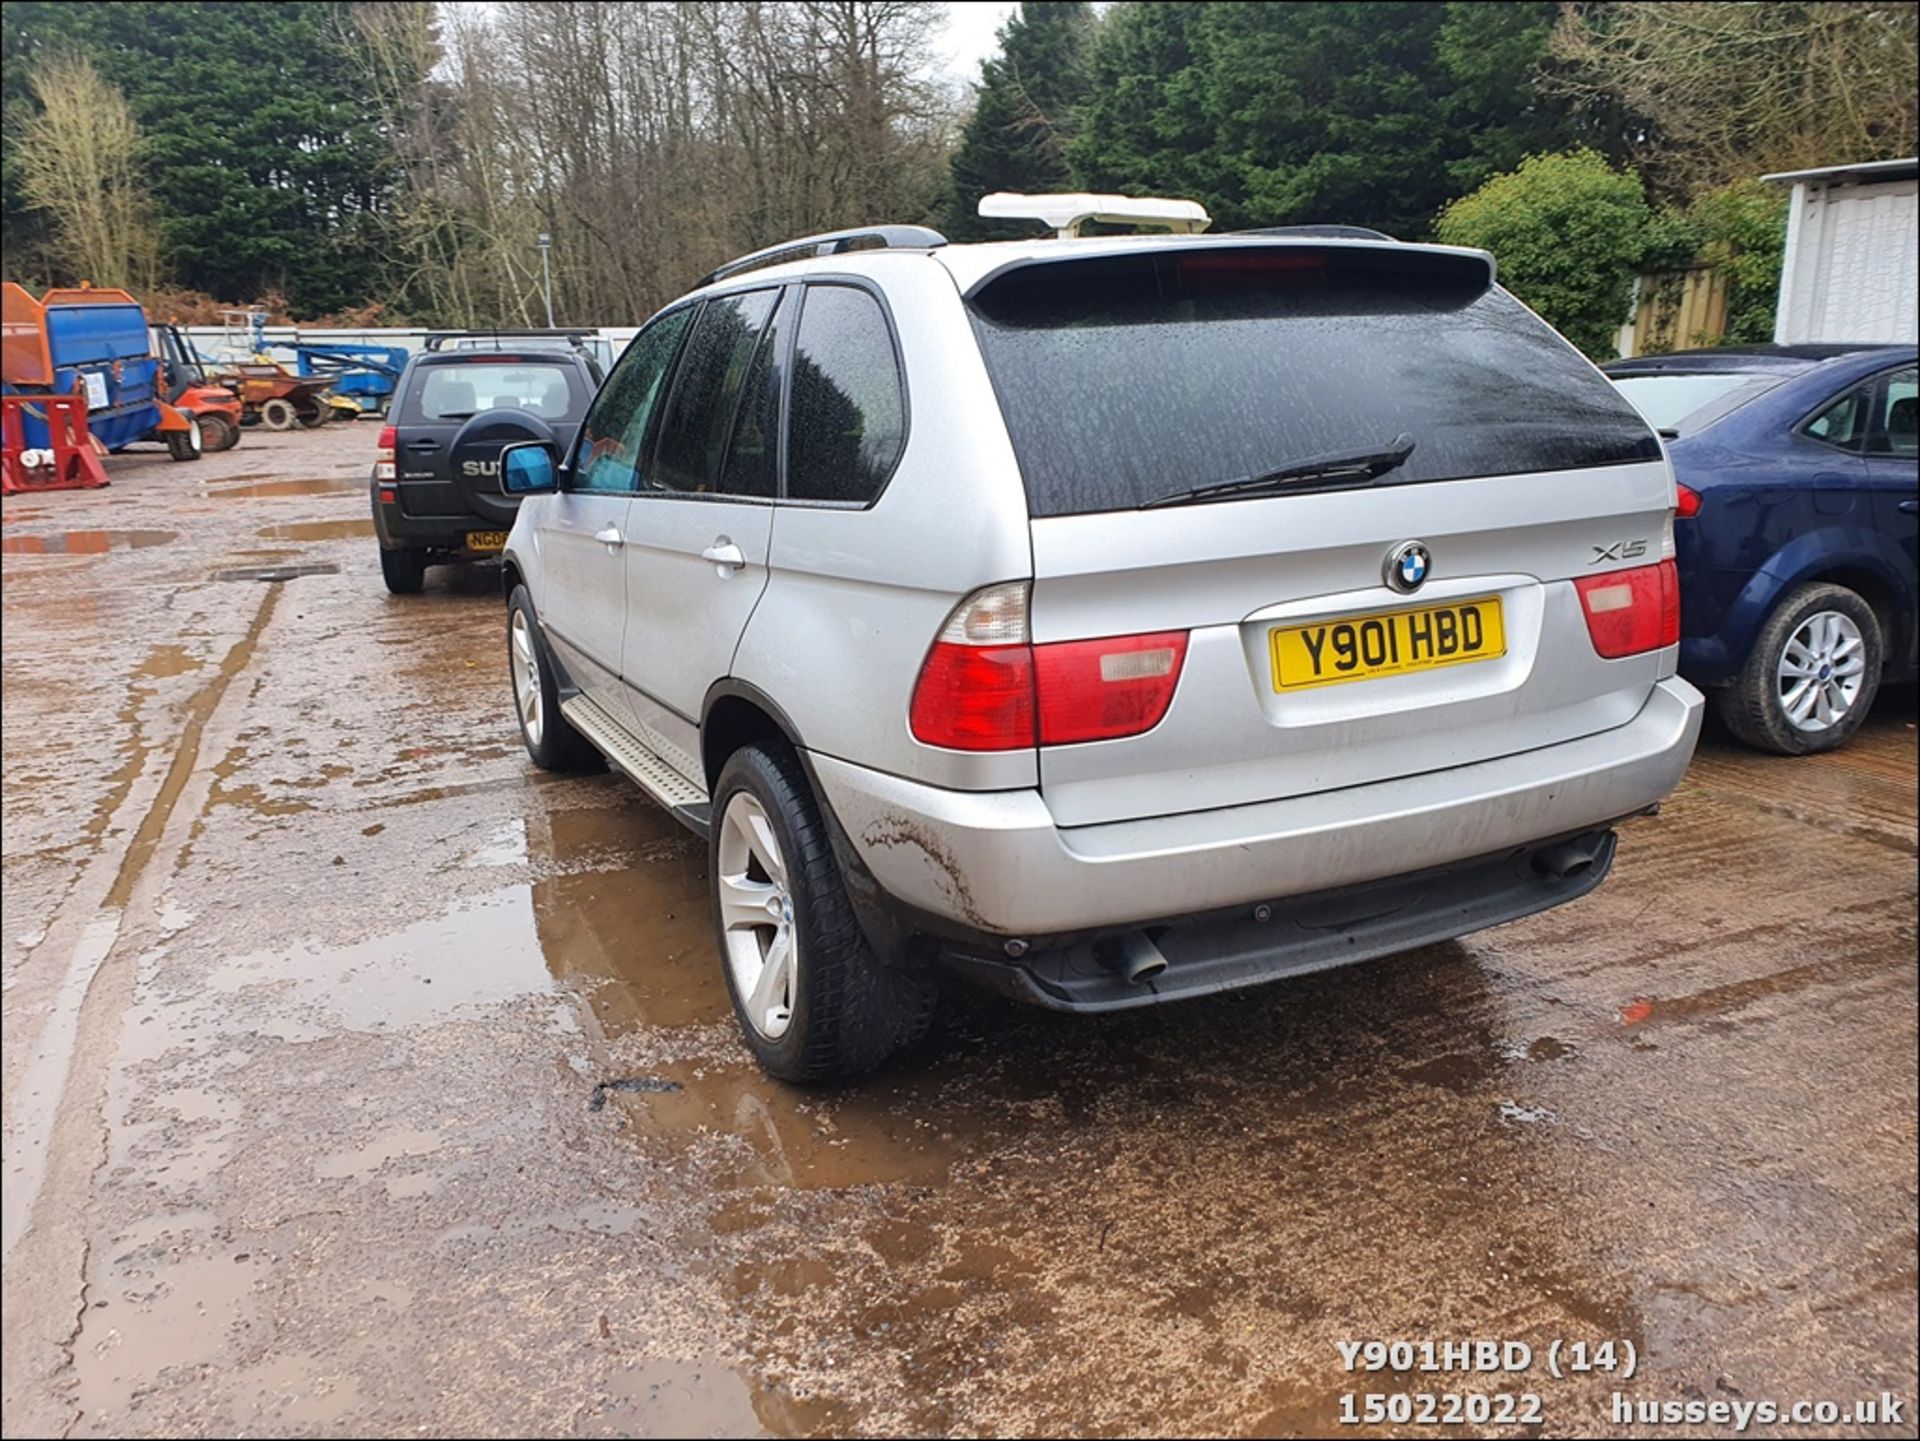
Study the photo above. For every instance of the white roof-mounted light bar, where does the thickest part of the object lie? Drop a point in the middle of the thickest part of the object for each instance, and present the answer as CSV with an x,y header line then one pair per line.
x,y
1065,214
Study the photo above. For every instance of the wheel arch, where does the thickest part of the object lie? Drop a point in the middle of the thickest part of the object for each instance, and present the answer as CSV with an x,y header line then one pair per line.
x,y
737,713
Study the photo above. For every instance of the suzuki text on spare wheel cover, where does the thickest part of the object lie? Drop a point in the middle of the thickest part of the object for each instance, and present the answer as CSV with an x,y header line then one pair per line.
x,y
1104,621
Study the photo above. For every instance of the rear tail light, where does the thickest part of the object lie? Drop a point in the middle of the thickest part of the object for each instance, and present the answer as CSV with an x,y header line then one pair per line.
x,y
1687,503
383,458
1633,611
986,687
1094,690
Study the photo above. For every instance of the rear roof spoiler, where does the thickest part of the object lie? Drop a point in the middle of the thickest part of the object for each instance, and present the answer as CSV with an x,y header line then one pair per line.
x,y
1370,242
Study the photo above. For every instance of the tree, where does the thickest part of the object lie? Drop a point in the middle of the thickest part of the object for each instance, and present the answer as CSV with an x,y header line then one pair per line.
x,y
78,160
1569,233
1735,90
1370,114
266,161
1023,116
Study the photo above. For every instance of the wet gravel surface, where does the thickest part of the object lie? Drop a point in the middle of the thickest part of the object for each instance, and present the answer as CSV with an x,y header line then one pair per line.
x,y
361,1079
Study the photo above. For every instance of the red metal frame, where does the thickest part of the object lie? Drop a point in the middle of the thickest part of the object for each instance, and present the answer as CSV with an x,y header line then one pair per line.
x,y
75,466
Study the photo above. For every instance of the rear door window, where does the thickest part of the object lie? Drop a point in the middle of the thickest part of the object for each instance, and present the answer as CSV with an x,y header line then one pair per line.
x,y
458,390
1896,428
848,418
1843,424
1124,379
706,389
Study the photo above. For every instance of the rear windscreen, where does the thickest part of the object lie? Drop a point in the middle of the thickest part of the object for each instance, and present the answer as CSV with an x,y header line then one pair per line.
x,y
461,389
1685,401
1126,378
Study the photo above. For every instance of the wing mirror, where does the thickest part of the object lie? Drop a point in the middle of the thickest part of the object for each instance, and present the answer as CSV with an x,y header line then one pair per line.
x,y
529,468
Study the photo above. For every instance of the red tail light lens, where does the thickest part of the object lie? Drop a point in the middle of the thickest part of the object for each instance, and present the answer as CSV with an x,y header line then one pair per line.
x,y
975,698
383,468
1098,689
1633,611
985,687
389,437
1687,504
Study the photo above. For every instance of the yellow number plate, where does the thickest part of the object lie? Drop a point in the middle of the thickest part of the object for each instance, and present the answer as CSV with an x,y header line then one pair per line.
x,y
486,540
1394,642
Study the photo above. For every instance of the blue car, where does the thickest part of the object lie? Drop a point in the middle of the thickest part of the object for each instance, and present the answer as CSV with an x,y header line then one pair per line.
x,y
1796,528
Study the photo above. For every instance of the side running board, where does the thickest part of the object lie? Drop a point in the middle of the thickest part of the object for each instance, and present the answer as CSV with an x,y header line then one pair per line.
x,y
687,801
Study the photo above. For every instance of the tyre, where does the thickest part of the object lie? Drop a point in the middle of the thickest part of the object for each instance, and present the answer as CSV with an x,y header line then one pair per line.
x,y
278,413
217,433
404,571
312,414
1811,677
186,444
550,740
813,1001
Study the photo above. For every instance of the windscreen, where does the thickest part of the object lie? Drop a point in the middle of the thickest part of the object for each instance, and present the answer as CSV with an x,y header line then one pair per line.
x,y
463,389
1125,379
1687,401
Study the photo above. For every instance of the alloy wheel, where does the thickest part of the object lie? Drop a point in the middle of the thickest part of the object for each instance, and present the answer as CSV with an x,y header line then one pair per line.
x,y
756,916
1822,670
526,677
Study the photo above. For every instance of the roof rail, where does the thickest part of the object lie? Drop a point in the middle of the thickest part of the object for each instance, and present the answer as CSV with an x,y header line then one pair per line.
x,y
1319,232
439,339
832,242
1065,214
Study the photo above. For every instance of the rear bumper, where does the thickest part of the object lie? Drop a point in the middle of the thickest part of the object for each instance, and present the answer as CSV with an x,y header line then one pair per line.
x,y
1249,946
446,534
994,863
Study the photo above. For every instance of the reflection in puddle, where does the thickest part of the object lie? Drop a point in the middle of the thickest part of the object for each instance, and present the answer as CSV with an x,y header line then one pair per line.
x,y
86,542
335,486
318,529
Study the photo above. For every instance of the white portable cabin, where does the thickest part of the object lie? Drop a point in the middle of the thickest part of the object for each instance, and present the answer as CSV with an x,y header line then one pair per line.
x,y
1851,258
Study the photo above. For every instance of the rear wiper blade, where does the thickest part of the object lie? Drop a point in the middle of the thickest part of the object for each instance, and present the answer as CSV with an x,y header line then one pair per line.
x,y
1339,467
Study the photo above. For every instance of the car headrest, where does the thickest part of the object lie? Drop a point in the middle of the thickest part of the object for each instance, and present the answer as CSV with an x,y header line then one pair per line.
x,y
452,396
1903,416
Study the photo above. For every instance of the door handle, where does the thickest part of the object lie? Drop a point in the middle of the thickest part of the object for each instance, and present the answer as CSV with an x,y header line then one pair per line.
x,y
423,445
1910,507
610,537
725,555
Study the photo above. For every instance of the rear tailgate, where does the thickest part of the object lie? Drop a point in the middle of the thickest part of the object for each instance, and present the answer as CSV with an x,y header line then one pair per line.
x,y
442,395
1140,377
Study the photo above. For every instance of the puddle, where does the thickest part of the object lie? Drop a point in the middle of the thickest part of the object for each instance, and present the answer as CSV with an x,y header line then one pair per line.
x,y
275,572
337,485
86,542
675,1398
318,529
167,660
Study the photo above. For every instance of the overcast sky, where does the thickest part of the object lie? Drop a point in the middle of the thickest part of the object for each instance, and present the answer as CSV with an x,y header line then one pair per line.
x,y
969,34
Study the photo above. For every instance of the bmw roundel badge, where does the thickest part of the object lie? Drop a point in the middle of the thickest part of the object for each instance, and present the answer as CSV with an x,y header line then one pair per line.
x,y
1408,566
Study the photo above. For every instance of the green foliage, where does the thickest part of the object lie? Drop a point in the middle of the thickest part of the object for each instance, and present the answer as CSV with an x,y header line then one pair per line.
x,y
1742,234
1023,115
266,164
1368,114
1569,232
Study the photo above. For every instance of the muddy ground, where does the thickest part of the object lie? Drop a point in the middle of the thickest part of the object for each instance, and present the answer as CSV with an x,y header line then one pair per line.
x,y
362,1080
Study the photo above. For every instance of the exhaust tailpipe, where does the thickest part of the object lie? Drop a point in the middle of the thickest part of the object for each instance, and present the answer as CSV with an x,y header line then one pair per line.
x,y
1568,859
1135,957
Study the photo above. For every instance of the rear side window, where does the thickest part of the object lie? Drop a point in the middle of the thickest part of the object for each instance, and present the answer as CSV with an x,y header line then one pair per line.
x,y
1843,424
706,389
848,414
1124,379
461,389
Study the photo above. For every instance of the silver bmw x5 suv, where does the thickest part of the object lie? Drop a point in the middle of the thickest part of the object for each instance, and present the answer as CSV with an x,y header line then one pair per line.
x,y
1106,620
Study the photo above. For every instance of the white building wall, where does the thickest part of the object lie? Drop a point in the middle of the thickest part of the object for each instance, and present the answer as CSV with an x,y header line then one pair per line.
x,y
1851,261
